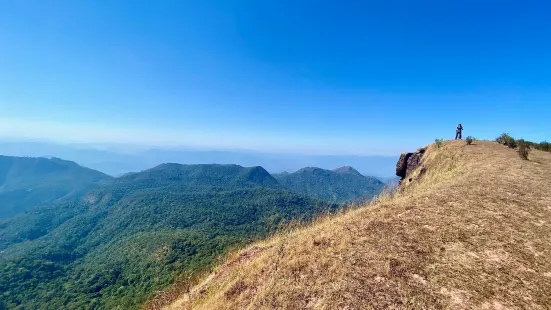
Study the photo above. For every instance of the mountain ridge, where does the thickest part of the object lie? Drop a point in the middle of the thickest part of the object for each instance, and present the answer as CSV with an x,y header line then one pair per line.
x,y
113,246
344,184
29,182
211,175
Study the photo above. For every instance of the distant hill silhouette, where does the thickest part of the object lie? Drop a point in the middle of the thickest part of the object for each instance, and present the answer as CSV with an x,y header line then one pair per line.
x,y
347,169
118,243
343,184
201,177
117,159
27,182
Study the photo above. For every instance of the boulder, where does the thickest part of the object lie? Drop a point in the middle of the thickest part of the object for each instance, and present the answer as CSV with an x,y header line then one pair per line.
x,y
401,165
408,162
414,161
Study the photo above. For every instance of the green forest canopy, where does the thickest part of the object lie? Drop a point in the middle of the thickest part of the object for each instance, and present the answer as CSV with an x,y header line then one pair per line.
x,y
115,245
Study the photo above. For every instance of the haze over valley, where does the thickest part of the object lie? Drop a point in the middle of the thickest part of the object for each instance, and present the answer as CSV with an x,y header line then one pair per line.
x,y
117,159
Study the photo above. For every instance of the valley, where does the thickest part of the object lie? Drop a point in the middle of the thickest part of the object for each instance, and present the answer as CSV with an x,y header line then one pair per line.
x,y
112,246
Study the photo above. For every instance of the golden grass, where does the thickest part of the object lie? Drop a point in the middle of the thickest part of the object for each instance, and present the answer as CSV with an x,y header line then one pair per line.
x,y
472,233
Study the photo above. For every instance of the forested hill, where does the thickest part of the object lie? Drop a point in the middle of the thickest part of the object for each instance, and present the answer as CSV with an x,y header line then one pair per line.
x,y
27,182
201,177
114,246
344,184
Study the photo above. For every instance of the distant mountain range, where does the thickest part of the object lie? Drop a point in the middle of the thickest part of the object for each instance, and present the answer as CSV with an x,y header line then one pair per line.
x,y
119,242
117,159
32,182
73,238
344,184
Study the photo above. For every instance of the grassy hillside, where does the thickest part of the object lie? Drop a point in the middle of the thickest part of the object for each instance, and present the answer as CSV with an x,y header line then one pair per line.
x,y
116,245
344,184
27,182
472,232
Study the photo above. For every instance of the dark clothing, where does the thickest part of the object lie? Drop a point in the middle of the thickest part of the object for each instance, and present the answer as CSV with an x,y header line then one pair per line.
x,y
458,132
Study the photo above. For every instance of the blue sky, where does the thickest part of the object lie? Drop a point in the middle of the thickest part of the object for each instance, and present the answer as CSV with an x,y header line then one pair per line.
x,y
323,77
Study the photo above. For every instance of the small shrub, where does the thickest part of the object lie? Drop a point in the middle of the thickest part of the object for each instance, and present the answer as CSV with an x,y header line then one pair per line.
x,y
523,149
506,139
469,140
512,143
503,138
509,141
439,142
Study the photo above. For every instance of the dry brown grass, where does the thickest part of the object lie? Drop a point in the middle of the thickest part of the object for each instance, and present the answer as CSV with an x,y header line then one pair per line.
x,y
472,233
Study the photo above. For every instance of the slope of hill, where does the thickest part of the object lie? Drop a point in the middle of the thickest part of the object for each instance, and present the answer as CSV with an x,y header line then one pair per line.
x,y
117,244
26,182
470,231
344,184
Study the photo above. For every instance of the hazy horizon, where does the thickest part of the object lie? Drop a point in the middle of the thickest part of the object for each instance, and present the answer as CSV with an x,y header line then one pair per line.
x,y
116,159
130,147
63,133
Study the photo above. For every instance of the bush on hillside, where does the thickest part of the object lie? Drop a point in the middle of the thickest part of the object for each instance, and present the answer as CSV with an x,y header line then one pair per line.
x,y
470,140
502,138
439,142
543,146
509,141
523,149
506,139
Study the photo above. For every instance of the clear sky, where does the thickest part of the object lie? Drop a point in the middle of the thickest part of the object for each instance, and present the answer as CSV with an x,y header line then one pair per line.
x,y
324,77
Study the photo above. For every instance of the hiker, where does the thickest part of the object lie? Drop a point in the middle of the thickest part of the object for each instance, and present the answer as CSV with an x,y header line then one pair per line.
x,y
458,132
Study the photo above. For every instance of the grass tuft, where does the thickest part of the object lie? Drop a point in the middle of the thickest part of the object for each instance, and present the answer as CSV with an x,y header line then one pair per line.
x,y
439,142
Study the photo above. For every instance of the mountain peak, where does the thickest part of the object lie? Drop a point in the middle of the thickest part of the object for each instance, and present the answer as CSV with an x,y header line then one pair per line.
x,y
341,185
347,169
204,176
309,170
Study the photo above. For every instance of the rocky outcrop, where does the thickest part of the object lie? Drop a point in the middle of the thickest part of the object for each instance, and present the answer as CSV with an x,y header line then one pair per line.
x,y
414,161
402,164
408,162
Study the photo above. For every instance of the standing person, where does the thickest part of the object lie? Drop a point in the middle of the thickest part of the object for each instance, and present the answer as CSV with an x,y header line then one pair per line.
x,y
458,132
